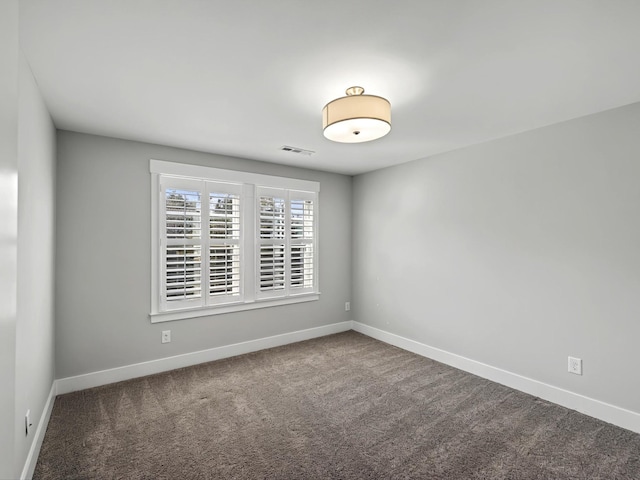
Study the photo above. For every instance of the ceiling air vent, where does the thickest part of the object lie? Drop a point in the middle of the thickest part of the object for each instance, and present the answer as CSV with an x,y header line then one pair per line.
x,y
299,151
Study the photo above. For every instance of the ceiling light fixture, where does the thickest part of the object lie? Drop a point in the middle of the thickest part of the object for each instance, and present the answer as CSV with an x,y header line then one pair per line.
x,y
356,118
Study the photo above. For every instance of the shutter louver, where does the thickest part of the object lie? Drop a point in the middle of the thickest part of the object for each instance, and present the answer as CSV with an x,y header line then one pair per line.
x,y
272,267
184,272
183,213
272,218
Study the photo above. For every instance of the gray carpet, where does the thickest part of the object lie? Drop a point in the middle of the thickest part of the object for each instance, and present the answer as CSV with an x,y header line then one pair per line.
x,y
343,406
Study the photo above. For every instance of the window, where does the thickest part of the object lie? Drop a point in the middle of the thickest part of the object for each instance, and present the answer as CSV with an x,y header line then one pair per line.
x,y
225,241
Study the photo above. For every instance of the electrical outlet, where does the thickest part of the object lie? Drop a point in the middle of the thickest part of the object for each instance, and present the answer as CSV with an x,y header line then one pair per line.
x,y
575,365
27,422
166,336
347,306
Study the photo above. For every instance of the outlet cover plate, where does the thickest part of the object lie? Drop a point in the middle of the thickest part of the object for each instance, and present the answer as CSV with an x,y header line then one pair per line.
x,y
575,365
166,336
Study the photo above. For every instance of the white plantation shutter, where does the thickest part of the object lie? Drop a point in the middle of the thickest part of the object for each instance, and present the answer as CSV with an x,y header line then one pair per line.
x,y
272,240
224,245
201,243
182,252
302,244
287,234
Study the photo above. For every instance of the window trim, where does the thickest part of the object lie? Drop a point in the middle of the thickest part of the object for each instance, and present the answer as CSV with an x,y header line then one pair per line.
x,y
250,183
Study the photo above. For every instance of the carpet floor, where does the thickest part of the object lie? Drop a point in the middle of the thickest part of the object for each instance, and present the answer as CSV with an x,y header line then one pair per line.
x,y
344,406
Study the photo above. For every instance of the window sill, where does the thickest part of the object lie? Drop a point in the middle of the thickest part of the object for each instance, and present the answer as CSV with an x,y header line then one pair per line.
x,y
157,317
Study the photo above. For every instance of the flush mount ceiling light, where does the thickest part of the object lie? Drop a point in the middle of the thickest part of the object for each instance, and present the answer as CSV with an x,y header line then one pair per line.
x,y
356,118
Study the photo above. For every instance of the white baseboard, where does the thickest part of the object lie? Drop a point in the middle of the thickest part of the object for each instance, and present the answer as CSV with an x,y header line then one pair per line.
x,y
34,451
104,377
589,406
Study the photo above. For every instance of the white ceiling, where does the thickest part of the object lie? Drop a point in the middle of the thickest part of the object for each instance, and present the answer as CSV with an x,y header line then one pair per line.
x,y
244,77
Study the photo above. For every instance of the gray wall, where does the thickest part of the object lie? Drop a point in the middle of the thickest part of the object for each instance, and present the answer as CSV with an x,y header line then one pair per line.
x,y
36,204
27,160
103,264
516,253
8,227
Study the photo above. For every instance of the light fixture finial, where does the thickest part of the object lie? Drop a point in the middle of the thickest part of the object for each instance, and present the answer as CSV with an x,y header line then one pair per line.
x,y
354,91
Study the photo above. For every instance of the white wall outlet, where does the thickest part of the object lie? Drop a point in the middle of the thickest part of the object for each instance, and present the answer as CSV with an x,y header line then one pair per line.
x,y
166,336
27,422
347,306
575,365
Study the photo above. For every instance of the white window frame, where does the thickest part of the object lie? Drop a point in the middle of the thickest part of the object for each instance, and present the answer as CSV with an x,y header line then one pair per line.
x,y
248,183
